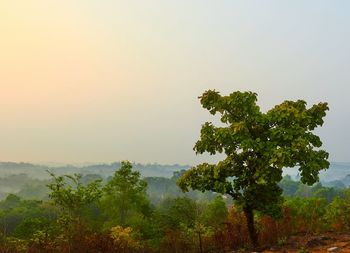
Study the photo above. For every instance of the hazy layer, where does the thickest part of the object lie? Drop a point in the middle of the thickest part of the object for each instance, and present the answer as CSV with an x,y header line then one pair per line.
x,y
111,80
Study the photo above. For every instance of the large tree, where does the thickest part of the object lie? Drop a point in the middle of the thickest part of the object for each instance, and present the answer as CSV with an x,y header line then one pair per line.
x,y
257,145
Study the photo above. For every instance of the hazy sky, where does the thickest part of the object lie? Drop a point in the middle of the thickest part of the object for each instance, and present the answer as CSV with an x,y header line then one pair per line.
x,y
100,81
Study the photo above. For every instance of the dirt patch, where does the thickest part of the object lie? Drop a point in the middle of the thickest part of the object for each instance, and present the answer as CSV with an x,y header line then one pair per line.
x,y
319,243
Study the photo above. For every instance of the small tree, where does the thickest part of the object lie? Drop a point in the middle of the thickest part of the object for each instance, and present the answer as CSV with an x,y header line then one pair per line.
x,y
257,146
73,198
125,196
216,213
71,195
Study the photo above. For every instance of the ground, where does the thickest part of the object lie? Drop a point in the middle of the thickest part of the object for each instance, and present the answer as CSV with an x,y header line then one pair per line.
x,y
340,242
317,243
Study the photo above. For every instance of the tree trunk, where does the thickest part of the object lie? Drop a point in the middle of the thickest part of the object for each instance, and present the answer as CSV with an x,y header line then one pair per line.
x,y
249,215
200,242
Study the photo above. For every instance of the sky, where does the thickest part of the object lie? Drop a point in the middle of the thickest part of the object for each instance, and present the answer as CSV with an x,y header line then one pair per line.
x,y
103,81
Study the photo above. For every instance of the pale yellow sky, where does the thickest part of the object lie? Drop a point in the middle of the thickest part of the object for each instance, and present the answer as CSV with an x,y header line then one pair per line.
x,y
101,81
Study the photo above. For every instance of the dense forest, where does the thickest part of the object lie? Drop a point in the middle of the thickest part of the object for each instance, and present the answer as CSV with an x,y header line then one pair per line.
x,y
129,213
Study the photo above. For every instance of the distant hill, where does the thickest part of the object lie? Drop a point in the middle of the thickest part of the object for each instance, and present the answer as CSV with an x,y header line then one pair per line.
x,y
105,170
336,171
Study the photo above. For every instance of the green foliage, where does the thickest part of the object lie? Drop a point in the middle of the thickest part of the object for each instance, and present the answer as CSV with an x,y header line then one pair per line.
x,y
21,218
257,146
74,200
338,212
177,213
289,186
327,193
215,213
34,190
71,195
282,241
308,214
160,188
10,202
31,225
124,200
292,188
303,250
178,224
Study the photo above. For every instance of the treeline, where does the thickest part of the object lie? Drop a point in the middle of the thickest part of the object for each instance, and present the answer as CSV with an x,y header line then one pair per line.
x,y
126,213
104,169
